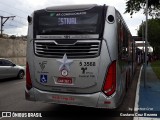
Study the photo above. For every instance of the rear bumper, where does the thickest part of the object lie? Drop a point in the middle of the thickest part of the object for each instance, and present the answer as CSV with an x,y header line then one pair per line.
x,y
96,100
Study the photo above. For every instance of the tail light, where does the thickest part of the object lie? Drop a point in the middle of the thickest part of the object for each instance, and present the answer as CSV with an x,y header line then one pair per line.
x,y
110,80
28,78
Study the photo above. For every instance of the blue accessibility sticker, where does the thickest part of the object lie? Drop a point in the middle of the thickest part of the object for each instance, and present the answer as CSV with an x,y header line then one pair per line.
x,y
43,78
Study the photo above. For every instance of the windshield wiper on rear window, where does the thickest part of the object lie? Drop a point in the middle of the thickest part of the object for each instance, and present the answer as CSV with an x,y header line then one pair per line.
x,y
69,30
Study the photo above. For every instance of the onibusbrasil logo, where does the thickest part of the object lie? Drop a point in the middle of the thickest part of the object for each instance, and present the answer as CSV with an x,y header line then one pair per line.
x,y
21,114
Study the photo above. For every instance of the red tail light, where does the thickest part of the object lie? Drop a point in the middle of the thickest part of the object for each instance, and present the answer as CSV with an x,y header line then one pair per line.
x,y
110,81
28,78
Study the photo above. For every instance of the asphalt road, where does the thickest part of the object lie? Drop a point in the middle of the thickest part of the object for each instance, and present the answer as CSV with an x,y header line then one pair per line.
x,y
12,99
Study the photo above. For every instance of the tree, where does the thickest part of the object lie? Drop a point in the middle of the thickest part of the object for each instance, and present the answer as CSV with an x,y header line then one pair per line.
x,y
12,37
153,33
133,6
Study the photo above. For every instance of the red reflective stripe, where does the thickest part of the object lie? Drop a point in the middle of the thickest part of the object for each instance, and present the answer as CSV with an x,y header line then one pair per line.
x,y
110,81
28,78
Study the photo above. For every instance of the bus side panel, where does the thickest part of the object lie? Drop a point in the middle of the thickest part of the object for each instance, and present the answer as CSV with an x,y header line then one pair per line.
x,y
29,62
110,35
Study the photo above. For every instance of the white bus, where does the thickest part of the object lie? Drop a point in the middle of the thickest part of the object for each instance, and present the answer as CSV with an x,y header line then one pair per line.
x,y
79,55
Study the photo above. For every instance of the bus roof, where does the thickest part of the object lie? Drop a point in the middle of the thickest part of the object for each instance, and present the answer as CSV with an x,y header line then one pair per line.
x,y
71,7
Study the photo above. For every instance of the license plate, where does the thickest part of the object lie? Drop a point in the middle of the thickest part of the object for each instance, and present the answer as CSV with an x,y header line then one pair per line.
x,y
64,80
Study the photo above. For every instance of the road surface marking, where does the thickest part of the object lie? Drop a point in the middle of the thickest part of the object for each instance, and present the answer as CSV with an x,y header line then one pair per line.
x,y
137,100
1,117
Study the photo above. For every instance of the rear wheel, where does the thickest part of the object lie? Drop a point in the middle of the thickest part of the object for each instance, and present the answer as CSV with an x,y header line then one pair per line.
x,y
21,74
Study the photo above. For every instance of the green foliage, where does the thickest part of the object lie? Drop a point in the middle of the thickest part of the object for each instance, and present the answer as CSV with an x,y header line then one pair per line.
x,y
153,34
156,63
13,37
157,51
156,68
133,6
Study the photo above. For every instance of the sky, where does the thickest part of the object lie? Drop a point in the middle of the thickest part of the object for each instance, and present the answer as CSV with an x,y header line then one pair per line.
x,y
22,8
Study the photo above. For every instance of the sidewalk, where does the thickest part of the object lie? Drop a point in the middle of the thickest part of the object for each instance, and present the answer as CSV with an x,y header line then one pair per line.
x,y
149,96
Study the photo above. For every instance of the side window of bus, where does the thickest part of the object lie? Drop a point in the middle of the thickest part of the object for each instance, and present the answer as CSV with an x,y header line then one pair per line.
x,y
120,39
122,45
129,49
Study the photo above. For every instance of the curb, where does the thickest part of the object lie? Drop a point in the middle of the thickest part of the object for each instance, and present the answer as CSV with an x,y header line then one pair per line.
x,y
137,95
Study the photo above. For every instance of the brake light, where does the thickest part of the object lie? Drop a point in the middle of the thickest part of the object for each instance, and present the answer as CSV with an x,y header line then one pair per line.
x,y
28,78
110,81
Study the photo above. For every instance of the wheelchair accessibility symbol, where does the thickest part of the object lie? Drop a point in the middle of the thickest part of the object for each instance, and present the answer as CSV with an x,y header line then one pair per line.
x,y
43,78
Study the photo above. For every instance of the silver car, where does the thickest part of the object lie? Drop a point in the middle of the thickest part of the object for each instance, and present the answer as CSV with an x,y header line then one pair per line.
x,y
10,70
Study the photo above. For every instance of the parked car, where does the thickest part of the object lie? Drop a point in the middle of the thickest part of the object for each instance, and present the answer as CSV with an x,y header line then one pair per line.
x,y
10,70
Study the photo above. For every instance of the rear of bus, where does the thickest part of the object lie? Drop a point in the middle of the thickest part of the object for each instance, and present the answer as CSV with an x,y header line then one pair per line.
x,y
68,57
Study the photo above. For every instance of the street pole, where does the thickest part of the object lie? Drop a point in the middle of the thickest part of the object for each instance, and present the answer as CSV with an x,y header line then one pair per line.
x,y
3,22
146,42
1,25
143,39
143,55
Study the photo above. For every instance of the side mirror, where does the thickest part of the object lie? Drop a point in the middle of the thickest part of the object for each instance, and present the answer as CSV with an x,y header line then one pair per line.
x,y
29,18
13,64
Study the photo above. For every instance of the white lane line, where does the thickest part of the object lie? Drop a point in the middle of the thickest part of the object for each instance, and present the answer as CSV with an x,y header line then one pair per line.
x,y
1,117
137,94
137,100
